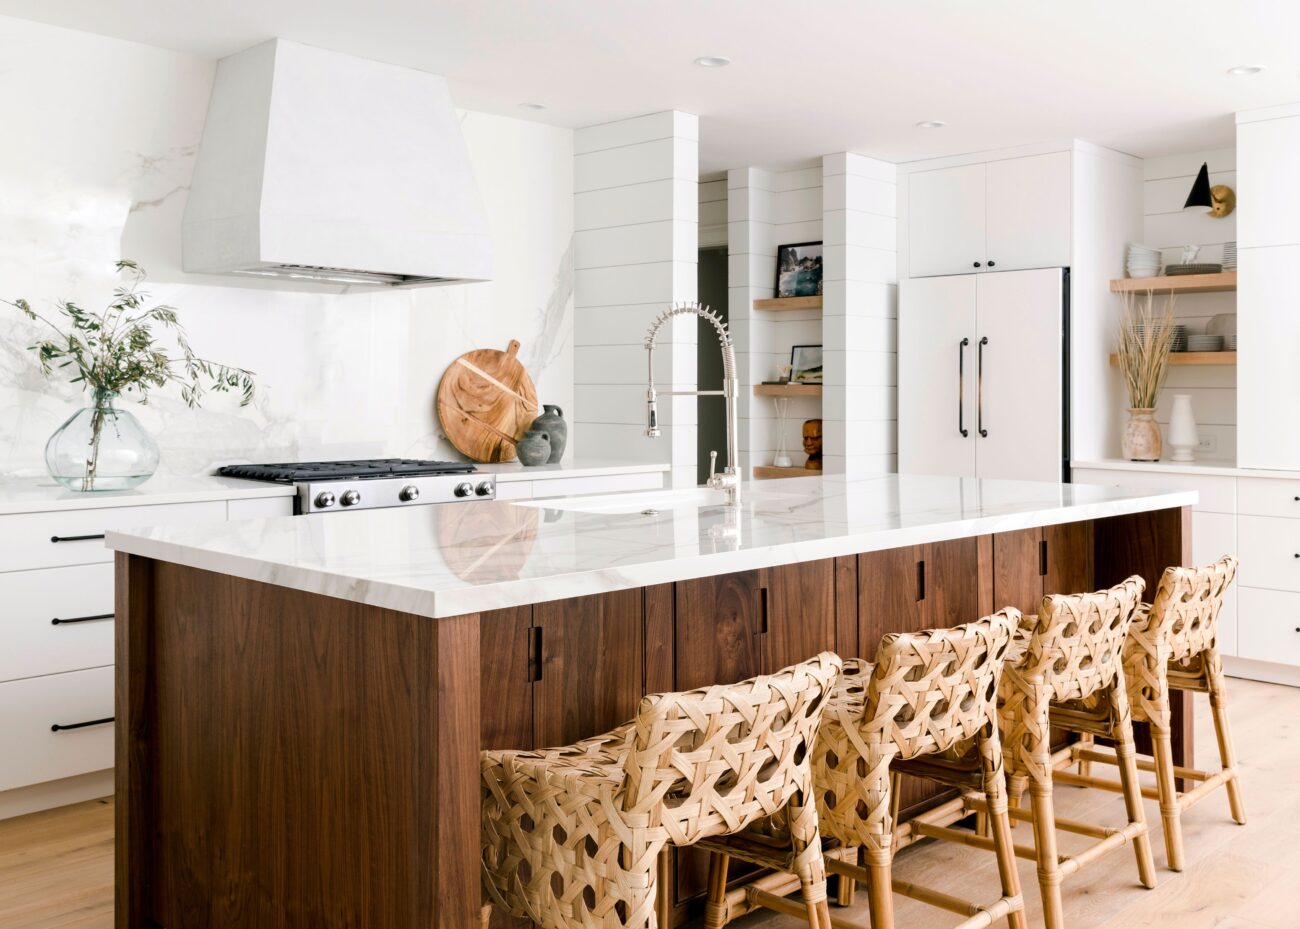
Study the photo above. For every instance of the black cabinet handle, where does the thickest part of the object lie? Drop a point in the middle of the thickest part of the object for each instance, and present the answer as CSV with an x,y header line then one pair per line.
x,y
534,654
920,581
977,264
64,727
762,611
76,538
961,387
979,411
1042,558
992,262
80,619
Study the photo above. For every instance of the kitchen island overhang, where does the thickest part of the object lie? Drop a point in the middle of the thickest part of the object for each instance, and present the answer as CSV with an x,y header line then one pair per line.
x,y
301,702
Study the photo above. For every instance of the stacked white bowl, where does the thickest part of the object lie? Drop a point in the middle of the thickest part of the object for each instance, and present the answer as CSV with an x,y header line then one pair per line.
x,y
1143,260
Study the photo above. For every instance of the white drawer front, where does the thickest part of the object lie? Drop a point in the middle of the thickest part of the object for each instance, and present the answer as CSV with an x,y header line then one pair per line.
x,y
259,508
597,484
1218,494
1269,627
1213,536
1268,496
31,644
26,540
1270,552
30,752
515,490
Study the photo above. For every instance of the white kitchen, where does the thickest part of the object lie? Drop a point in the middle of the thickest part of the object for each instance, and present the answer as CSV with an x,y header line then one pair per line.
x,y
629,465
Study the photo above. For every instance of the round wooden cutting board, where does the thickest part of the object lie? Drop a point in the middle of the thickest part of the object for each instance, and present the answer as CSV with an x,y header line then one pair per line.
x,y
485,402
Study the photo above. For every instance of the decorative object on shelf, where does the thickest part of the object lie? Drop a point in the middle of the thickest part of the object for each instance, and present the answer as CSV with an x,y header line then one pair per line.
x,y
113,351
806,364
557,430
1183,438
1230,256
486,401
1220,199
783,374
1142,260
812,444
534,448
1204,343
799,270
1144,345
781,459
1200,267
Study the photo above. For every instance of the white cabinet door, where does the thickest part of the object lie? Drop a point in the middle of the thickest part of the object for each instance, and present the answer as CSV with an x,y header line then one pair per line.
x,y
936,376
1028,213
1268,378
1268,184
1213,536
1019,386
945,221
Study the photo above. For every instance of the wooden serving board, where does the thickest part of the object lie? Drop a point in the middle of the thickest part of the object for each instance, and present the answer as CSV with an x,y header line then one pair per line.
x,y
485,402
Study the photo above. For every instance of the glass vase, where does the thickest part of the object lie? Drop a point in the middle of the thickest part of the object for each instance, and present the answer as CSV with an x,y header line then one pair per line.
x,y
101,447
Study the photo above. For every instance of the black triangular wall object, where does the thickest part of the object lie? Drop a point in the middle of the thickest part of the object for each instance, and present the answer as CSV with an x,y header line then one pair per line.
x,y
1200,194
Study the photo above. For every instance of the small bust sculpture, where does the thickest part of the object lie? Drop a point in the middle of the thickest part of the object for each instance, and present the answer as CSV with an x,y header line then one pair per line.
x,y
812,444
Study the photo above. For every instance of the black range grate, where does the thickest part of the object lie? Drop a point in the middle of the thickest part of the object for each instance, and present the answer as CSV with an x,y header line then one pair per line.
x,y
292,472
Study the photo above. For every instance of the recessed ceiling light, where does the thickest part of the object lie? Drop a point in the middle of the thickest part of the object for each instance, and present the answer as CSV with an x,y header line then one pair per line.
x,y
532,106
712,61
1246,69
931,124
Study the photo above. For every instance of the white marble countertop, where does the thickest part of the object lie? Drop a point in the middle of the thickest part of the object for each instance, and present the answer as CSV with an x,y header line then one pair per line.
x,y
1207,466
43,495
449,560
579,467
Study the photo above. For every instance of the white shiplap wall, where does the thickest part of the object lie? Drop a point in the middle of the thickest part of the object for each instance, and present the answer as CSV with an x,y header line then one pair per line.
x,y
1167,226
767,208
636,211
860,315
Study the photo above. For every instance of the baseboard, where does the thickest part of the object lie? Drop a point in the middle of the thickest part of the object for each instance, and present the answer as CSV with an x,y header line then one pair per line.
x,y
1266,671
36,797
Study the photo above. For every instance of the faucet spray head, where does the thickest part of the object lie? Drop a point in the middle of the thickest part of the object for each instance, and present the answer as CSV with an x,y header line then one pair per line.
x,y
652,415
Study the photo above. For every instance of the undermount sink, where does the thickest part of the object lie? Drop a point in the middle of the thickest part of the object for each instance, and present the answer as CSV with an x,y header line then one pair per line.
x,y
634,503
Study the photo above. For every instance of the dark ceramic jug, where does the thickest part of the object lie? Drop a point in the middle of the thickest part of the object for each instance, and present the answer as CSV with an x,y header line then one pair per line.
x,y
552,423
534,448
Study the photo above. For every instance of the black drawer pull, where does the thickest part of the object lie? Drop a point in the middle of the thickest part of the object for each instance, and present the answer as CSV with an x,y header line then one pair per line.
x,y
80,619
76,538
64,727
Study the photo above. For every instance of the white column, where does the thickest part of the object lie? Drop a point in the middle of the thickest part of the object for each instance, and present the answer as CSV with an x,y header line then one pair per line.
x,y
860,315
635,252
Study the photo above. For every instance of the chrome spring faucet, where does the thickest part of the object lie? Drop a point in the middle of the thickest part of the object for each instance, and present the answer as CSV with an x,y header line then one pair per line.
x,y
729,479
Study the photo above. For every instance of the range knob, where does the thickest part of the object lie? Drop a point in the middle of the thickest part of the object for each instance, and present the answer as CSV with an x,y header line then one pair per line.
x,y
351,498
324,499
484,489
465,489
408,493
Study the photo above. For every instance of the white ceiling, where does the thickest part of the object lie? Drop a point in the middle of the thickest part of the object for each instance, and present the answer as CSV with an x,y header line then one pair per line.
x,y
1144,76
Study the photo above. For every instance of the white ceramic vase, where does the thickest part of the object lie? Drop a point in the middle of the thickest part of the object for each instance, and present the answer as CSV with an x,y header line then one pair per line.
x,y
1183,438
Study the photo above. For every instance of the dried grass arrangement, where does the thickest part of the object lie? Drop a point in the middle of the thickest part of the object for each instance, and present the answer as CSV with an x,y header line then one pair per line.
x,y
1145,340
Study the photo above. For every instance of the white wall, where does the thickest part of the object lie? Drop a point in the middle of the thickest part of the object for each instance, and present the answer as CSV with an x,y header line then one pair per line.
x,y
1166,181
100,140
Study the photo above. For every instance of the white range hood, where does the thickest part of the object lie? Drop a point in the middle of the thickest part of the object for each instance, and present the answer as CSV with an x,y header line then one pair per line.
x,y
321,166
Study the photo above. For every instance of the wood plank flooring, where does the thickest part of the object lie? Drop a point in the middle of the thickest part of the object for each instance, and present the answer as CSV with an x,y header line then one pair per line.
x,y
56,867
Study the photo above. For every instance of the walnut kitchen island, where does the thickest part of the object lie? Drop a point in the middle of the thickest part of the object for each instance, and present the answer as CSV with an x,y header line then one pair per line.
x,y
301,701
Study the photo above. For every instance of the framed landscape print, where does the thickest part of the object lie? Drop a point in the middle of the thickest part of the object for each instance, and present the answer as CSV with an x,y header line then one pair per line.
x,y
799,270
806,364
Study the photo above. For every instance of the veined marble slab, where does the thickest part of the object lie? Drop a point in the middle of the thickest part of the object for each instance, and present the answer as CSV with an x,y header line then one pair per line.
x,y
449,560
43,495
579,467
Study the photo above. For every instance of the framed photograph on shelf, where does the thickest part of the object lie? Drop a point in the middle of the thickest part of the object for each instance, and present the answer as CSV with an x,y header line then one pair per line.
x,y
799,269
806,364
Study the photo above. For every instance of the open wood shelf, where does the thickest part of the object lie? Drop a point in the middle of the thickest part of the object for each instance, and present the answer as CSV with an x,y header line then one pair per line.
x,y
1195,358
1177,284
766,472
789,303
787,390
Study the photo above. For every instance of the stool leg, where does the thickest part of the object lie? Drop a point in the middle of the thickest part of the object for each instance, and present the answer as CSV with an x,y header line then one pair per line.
x,y
1049,863
1085,766
880,890
715,907
998,823
485,916
1126,756
1227,755
846,887
1162,751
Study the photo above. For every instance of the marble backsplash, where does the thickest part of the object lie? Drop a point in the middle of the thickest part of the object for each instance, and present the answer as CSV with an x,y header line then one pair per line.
x,y
96,169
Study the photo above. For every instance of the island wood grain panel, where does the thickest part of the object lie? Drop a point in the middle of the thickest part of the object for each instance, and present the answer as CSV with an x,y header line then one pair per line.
x,y
801,616
1017,570
660,621
719,620
507,668
311,761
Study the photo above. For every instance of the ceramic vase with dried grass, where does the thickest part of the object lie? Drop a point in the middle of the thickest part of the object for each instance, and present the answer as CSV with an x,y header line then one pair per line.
x,y
1145,340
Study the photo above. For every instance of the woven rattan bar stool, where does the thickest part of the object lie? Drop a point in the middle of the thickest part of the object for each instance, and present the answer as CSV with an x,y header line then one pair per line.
x,y
1174,646
572,836
928,705
1065,670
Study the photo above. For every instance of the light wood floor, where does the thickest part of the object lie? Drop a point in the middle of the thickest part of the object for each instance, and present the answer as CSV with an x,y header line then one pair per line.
x,y
56,868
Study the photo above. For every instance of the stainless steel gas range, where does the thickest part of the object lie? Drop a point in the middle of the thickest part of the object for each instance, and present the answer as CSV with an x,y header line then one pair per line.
x,y
336,486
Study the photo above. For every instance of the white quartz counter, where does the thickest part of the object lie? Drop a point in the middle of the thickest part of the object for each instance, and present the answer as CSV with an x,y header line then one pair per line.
x,y
449,560
1202,466
511,471
43,495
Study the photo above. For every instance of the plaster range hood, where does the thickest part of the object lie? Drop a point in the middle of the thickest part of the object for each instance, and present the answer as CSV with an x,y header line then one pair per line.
x,y
320,166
